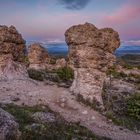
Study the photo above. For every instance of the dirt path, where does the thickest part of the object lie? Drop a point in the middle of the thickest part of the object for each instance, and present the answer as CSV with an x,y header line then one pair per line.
x,y
60,100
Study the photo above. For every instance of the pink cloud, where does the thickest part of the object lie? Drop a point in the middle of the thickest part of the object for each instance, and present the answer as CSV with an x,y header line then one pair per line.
x,y
125,20
125,14
46,25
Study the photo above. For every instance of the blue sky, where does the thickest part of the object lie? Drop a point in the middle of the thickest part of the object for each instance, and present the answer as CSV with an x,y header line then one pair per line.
x,y
44,20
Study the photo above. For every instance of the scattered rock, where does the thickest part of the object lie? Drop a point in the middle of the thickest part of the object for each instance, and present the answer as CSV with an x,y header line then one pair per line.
x,y
14,99
43,117
62,105
93,118
9,129
85,112
63,99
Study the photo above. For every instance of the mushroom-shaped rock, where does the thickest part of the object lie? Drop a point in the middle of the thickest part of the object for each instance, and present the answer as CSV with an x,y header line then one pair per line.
x,y
91,55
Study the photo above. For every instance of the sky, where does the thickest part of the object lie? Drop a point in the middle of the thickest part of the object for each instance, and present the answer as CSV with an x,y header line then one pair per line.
x,y
47,20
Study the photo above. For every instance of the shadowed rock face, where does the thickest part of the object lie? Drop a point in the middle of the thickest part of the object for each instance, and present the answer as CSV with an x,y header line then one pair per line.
x,y
91,54
12,48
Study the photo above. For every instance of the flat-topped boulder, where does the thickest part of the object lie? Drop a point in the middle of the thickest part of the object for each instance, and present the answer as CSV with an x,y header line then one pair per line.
x,y
91,55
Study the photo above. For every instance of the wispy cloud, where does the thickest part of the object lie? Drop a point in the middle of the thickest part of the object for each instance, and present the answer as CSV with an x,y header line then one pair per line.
x,y
75,4
131,43
123,15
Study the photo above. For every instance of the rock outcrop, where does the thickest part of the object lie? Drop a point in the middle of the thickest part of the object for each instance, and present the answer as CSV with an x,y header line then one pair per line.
x,y
9,129
39,59
38,56
12,48
11,42
91,55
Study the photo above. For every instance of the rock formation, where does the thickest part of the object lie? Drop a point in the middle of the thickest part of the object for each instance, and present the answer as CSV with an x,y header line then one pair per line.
x,y
12,48
38,56
91,55
40,59
11,42
9,129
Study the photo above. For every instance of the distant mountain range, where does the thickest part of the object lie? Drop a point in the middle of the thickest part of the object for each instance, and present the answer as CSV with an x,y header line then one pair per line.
x,y
123,50
61,49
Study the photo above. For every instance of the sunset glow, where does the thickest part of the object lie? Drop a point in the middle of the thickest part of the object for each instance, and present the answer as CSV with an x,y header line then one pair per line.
x,y
48,19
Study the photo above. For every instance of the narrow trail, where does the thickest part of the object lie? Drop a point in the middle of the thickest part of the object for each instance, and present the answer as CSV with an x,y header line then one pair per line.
x,y
60,100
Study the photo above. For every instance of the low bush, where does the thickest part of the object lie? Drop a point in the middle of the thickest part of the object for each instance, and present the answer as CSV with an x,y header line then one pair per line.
x,y
133,106
36,74
65,73
87,102
128,66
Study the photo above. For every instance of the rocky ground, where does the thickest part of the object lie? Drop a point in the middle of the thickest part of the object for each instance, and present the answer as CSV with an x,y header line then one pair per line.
x,y
31,93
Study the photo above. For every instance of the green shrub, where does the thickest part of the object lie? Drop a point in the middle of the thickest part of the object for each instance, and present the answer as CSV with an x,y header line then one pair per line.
x,y
133,106
94,104
65,73
36,74
116,74
128,66
109,114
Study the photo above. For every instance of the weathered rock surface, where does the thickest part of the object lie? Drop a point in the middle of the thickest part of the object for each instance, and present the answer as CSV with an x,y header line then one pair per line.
x,y
11,42
43,117
40,59
9,129
38,56
12,48
91,54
